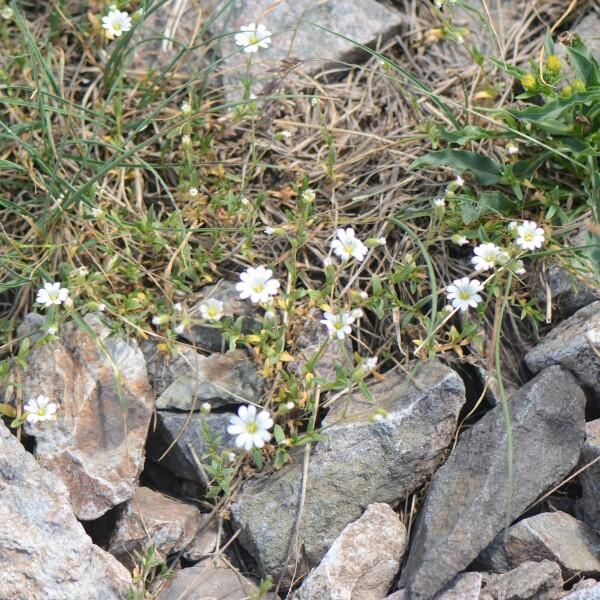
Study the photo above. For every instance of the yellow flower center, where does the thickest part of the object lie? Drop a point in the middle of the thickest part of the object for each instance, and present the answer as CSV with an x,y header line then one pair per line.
x,y
528,236
258,287
251,427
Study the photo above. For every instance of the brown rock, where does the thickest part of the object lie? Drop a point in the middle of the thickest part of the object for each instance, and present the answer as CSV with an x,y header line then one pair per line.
x,y
96,444
540,580
151,518
44,552
554,536
362,562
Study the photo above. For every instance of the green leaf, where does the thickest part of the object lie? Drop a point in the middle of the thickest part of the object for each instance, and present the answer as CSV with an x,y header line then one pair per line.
x,y
467,134
585,65
7,410
485,170
279,434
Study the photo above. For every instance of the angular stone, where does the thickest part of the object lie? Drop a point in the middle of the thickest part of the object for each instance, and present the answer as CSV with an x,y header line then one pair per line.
x,y
208,338
362,562
586,589
219,379
556,536
575,345
205,541
588,29
45,553
96,444
466,504
359,462
152,519
588,507
540,580
568,294
291,22
189,438
209,579
465,586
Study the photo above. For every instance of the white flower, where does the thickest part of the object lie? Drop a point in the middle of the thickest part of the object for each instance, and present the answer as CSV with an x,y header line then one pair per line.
x,y
486,256
290,405
186,140
439,203
357,313
327,262
116,23
464,293
520,270
82,271
97,212
512,148
286,134
270,314
252,37
186,108
40,409
179,329
206,407
211,309
459,181
160,319
230,456
308,195
512,226
177,307
530,236
7,13
52,330
370,363
460,240
193,192
251,429
381,241
379,418
101,307
257,284
51,294
314,101
347,245
244,201
338,325
363,295
269,230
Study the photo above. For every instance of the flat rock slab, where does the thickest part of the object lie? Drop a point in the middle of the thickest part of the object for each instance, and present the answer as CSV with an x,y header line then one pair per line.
x,y
573,344
466,506
45,553
96,444
186,433
556,536
207,580
359,462
540,580
220,379
153,519
299,29
588,507
362,562
592,593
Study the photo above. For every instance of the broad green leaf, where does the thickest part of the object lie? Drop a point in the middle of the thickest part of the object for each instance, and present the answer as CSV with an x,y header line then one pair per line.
x,y
585,65
470,133
485,170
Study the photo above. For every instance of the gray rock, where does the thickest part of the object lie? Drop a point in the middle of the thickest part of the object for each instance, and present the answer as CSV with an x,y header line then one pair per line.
x,y
556,536
209,338
588,29
568,294
209,579
186,431
465,586
592,593
45,553
219,379
359,462
466,506
540,580
96,444
152,519
573,344
205,541
291,22
588,507
362,562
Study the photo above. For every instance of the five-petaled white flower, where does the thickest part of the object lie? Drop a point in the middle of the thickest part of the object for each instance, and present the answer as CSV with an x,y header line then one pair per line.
x,y
439,203
116,22
211,309
40,409
464,293
251,429
530,236
486,256
347,245
51,294
338,325
253,36
257,284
